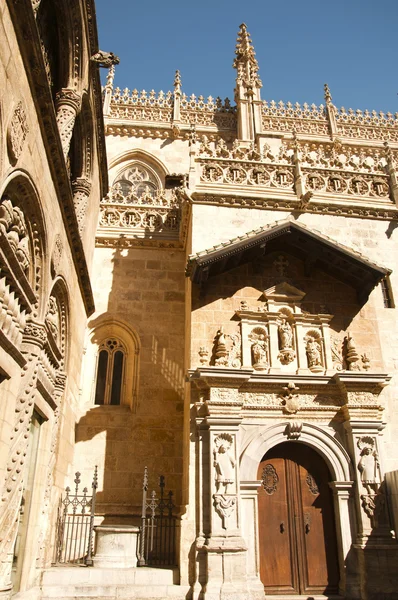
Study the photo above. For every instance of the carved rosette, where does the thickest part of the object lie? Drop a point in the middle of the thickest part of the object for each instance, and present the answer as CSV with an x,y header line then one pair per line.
x,y
81,192
67,106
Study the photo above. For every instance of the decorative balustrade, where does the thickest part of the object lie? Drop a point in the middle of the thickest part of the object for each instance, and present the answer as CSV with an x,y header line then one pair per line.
x,y
331,168
158,106
312,119
156,212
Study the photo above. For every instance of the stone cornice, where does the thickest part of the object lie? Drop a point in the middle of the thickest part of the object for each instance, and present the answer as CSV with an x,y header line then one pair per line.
x,y
26,32
384,211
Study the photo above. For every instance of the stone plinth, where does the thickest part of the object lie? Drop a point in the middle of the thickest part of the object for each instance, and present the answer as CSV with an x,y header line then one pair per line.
x,y
116,546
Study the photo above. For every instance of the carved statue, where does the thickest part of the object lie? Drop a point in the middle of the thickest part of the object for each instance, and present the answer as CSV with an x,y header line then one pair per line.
x,y
259,352
313,349
285,334
368,466
224,461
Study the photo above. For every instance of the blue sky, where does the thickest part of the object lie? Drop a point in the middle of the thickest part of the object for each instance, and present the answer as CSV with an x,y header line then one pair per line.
x,y
300,45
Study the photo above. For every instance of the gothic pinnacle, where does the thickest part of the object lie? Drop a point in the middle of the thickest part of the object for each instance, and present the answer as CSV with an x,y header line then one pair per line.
x,y
328,95
245,61
177,81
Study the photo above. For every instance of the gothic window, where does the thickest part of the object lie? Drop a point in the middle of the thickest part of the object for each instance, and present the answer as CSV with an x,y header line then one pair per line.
x,y
110,372
136,182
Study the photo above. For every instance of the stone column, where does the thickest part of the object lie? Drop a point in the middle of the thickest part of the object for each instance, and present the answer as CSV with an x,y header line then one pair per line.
x,y
81,188
67,104
342,491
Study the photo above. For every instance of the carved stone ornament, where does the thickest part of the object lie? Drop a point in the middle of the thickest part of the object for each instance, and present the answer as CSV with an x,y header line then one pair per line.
x,y
290,399
225,506
35,333
13,220
52,318
105,59
56,255
269,479
17,131
221,352
352,356
224,461
204,356
293,430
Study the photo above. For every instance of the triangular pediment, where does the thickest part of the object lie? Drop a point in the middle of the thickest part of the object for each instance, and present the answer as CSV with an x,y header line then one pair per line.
x,y
284,292
312,247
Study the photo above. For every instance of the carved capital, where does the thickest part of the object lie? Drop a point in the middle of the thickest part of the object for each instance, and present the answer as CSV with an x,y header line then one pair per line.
x,y
68,97
82,186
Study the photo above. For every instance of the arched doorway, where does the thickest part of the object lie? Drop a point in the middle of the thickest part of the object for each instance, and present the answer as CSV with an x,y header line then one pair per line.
x,y
297,533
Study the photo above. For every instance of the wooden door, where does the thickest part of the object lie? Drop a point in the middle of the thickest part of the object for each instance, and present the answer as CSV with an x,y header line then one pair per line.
x,y
298,551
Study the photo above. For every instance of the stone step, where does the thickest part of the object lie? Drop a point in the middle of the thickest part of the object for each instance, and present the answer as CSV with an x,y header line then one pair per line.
x,y
81,576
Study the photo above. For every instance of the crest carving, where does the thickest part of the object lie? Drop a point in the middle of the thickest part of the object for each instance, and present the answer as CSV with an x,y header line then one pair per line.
x,y
17,131
270,479
312,485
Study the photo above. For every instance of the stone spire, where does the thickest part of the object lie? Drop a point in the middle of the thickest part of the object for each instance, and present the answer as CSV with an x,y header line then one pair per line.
x,y
247,90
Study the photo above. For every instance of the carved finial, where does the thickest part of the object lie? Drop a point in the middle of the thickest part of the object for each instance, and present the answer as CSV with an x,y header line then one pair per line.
x,y
328,95
245,61
177,82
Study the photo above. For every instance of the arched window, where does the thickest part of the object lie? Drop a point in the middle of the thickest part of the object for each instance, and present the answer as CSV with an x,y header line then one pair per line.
x,y
110,372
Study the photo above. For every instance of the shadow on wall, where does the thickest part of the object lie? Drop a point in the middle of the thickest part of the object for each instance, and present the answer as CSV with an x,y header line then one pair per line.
x,y
146,294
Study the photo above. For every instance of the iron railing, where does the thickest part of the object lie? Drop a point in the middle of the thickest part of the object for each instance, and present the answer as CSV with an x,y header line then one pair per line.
x,y
75,525
158,527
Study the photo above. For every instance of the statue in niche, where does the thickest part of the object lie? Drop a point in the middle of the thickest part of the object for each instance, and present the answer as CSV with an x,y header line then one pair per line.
x,y
259,351
313,350
224,461
285,334
368,465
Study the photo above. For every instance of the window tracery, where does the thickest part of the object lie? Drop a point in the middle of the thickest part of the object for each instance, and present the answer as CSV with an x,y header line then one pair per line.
x,y
135,183
110,372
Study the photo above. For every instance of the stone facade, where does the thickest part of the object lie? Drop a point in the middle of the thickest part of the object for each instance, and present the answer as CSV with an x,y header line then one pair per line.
x,y
51,135
243,276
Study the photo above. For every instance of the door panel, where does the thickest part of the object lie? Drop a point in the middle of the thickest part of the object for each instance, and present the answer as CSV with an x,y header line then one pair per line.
x,y
302,558
277,555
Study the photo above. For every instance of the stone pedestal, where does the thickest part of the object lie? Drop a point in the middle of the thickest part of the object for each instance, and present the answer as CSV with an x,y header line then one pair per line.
x,y
116,546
